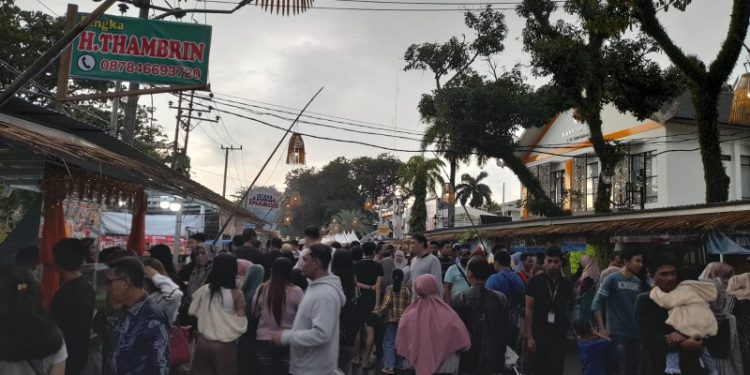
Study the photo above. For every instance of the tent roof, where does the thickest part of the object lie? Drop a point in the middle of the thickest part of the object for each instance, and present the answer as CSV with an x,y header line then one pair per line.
x,y
29,130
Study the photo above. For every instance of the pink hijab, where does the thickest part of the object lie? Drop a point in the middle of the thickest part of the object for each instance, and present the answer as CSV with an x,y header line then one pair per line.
x,y
429,330
242,267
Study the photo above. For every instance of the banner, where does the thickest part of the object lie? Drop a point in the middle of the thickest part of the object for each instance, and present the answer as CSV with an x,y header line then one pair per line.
x,y
141,50
728,244
265,203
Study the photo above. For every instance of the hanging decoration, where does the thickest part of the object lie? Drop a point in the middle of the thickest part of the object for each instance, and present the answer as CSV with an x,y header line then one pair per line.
x,y
88,186
368,204
285,7
741,102
295,200
449,195
296,153
287,219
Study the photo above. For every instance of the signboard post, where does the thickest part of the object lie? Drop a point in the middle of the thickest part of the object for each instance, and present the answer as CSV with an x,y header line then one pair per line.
x,y
136,49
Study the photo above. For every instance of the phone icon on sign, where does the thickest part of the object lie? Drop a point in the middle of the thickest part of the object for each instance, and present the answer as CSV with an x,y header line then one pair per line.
x,y
86,62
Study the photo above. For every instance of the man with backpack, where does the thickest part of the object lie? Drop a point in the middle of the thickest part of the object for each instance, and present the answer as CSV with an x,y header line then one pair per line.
x,y
485,314
507,282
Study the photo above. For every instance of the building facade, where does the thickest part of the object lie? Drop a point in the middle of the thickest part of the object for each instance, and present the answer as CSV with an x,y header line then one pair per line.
x,y
662,165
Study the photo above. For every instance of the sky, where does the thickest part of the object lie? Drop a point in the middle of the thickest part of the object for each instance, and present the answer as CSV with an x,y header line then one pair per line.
x,y
358,57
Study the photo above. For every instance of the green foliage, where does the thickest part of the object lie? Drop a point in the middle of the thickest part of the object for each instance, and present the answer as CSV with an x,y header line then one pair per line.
x,y
592,64
341,185
473,188
376,177
706,81
25,36
13,207
348,220
418,177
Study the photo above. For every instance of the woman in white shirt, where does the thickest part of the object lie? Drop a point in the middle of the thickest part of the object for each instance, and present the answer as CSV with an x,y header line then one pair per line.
x,y
220,309
30,343
162,289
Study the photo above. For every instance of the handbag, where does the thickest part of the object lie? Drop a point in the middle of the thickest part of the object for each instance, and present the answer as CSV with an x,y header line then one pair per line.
x,y
254,319
179,346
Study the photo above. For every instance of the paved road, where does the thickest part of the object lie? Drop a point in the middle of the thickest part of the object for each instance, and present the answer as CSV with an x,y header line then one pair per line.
x,y
572,363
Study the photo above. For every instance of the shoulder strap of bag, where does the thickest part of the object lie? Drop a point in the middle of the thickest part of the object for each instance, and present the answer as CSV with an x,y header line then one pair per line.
x,y
458,265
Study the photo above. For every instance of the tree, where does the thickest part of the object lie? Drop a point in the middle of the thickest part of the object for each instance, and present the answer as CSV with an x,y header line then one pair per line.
x,y
705,82
473,188
26,36
323,192
347,221
376,177
591,64
420,176
492,111
455,57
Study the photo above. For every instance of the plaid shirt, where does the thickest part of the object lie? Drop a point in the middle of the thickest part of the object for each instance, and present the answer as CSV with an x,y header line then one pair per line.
x,y
394,304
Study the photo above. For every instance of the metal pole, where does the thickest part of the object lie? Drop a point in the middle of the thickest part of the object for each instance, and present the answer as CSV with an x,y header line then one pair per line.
x,y
189,120
45,59
177,232
242,199
177,131
115,111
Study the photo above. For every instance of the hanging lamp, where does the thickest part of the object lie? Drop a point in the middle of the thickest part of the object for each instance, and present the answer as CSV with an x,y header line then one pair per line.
x,y
740,113
449,195
368,204
295,155
295,200
287,220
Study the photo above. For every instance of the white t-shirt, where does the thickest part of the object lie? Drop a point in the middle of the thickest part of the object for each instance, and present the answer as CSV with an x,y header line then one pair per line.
x,y
42,366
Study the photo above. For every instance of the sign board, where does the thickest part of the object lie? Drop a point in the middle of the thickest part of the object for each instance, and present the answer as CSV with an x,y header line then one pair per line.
x,y
265,203
141,50
728,244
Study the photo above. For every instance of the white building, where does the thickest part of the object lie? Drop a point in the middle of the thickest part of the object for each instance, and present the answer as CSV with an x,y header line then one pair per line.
x,y
663,153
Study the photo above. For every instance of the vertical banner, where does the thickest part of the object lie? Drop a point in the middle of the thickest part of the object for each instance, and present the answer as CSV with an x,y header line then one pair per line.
x,y
141,50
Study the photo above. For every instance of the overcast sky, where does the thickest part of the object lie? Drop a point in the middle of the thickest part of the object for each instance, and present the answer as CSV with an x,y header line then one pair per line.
x,y
358,57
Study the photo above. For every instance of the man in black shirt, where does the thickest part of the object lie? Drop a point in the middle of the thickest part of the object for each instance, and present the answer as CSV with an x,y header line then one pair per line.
x,y
446,256
249,251
657,337
73,305
549,300
369,278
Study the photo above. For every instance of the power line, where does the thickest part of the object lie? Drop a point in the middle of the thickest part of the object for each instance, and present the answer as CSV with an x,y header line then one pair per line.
x,y
48,8
439,2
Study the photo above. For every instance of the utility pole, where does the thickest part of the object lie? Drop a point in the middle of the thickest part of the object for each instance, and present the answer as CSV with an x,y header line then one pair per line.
x,y
177,131
226,164
115,111
131,106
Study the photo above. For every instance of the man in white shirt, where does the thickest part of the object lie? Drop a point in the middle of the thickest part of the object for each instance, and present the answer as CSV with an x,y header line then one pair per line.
x,y
423,262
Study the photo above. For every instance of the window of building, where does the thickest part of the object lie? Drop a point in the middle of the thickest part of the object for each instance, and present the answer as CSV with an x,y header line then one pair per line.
x,y
557,190
745,175
643,172
592,182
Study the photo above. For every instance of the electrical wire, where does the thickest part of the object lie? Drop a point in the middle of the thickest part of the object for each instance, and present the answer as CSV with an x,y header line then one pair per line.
x,y
48,8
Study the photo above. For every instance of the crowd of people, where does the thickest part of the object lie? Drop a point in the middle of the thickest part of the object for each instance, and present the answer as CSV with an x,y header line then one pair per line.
x,y
430,308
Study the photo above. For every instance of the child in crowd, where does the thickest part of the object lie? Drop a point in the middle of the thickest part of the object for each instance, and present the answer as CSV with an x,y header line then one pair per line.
x,y
593,349
395,302
691,316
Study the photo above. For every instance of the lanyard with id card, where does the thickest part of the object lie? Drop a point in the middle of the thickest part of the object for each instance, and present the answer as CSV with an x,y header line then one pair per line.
x,y
551,314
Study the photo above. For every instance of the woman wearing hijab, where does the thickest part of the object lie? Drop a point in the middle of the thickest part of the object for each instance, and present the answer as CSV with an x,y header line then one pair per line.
x,y
247,361
586,286
430,334
739,287
725,346
196,274
220,309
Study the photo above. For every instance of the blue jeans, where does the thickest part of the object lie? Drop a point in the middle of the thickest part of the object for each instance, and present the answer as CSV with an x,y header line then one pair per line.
x,y
624,355
390,358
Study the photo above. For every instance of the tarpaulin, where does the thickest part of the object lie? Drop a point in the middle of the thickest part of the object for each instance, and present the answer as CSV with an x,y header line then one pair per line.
x,y
728,244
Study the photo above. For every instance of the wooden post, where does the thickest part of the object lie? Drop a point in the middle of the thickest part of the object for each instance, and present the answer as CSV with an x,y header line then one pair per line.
x,y
64,67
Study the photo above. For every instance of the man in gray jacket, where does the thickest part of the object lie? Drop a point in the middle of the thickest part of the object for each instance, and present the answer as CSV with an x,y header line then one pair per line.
x,y
314,337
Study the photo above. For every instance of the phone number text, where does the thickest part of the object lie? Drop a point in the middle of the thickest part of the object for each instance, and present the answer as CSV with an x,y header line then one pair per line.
x,y
149,69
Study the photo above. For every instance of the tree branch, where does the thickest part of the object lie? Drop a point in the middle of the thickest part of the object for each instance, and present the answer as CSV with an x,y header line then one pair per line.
x,y
730,51
646,14
463,68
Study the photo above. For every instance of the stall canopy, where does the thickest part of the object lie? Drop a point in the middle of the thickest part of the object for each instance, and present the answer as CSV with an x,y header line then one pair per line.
x,y
700,220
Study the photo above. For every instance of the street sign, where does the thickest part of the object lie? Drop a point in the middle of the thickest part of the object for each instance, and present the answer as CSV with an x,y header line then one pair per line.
x,y
141,50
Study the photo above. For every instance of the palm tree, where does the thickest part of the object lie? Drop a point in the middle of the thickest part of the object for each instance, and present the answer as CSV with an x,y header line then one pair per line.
x,y
348,220
473,188
420,176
